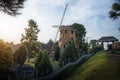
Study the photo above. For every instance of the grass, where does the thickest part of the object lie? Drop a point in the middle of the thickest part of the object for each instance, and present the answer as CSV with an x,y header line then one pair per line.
x,y
55,65
66,73
30,64
98,67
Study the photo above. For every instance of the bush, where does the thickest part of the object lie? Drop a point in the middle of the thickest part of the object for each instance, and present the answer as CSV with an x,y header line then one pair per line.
x,y
20,55
69,54
5,61
43,65
97,49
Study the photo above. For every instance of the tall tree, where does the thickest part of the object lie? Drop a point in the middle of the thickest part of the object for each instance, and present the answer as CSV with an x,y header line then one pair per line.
x,y
115,12
11,7
5,61
43,65
94,43
80,34
20,55
30,39
57,52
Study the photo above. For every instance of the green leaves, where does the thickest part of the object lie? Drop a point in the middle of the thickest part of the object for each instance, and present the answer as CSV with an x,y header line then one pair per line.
x,y
115,12
11,7
29,39
43,65
57,52
80,34
20,55
5,60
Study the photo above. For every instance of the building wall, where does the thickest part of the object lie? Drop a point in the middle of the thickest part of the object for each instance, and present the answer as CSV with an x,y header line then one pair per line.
x,y
67,33
117,45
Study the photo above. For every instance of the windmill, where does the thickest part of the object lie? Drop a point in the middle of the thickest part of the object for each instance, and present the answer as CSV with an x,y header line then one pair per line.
x,y
57,26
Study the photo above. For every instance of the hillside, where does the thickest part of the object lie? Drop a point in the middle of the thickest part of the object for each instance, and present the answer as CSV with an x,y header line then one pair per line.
x,y
101,66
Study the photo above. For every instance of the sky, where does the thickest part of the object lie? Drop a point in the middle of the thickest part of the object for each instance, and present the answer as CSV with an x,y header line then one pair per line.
x,y
93,14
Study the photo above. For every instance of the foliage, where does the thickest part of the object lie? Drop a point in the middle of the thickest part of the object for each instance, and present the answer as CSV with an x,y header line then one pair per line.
x,y
80,34
5,60
95,46
30,39
69,54
94,43
55,65
97,49
115,12
57,52
20,55
85,46
11,7
43,65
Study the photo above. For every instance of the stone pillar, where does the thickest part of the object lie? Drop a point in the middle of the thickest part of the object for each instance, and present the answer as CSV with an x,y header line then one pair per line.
x,y
113,45
102,45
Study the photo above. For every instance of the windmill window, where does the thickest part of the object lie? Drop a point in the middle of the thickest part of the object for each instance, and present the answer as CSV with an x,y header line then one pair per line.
x,y
65,31
72,32
64,46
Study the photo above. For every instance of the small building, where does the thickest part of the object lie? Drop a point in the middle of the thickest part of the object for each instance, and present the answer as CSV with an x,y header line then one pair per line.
x,y
67,33
110,40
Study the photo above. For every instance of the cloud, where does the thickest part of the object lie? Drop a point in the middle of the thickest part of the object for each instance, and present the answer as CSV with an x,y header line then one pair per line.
x,y
93,14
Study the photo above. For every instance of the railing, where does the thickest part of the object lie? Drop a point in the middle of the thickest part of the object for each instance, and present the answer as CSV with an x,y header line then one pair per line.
x,y
56,73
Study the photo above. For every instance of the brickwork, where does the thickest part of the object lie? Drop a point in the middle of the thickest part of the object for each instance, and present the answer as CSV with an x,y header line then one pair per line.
x,y
67,33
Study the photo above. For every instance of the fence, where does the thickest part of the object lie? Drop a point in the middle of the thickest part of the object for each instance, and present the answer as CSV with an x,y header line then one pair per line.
x,y
56,73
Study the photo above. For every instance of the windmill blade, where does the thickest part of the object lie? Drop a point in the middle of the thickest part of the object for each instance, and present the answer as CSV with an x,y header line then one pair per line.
x,y
61,20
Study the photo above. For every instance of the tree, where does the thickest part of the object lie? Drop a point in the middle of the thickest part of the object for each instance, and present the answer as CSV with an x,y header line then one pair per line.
x,y
57,52
115,12
95,46
11,7
5,61
43,65
30,39
80,34
69,54
94,43
20,55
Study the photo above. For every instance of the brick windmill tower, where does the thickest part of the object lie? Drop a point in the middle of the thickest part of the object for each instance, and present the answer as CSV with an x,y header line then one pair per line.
x,y
67,33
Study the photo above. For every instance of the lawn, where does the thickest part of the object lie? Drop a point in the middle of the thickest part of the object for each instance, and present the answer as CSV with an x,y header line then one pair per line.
x,y
55,65
30,64
98,67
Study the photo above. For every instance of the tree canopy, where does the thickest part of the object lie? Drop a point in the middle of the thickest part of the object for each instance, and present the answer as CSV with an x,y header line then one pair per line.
x,y
43,65
30,39
5,60
69,54
94,43
57,52
115,12
80,34
20,55
11,7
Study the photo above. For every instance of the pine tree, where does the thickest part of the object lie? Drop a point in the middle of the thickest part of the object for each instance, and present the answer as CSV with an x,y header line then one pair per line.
x,y
30,39
57,52
43,65
11,7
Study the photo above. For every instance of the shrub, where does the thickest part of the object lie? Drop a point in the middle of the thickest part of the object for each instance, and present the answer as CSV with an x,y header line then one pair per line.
x,y
97,49
5,61
43,65
20,55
